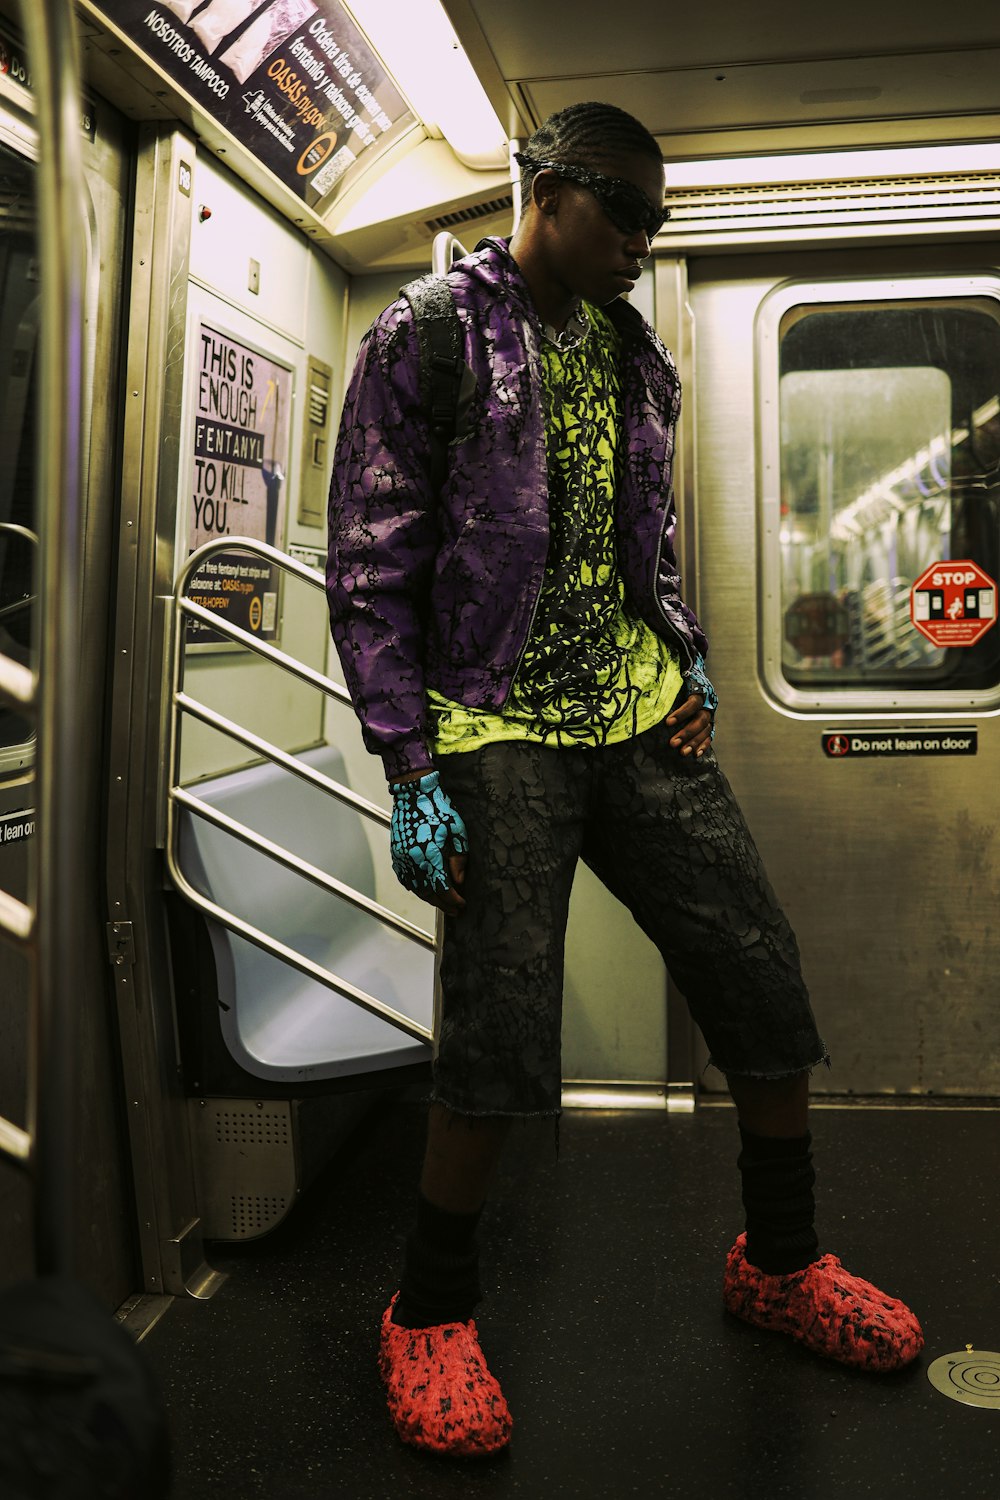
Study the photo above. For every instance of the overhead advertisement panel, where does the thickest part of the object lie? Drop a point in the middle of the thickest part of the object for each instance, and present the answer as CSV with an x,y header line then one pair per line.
x,y
294,81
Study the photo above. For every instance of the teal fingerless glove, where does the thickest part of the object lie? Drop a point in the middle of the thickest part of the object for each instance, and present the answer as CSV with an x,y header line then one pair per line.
x,y
696,681
425,829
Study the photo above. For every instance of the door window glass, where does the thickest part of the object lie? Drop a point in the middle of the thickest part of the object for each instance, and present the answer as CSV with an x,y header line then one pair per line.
x,y
19,312
888,461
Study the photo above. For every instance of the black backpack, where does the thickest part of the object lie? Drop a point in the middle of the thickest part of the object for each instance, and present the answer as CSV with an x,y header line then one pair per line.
x,y
446,382
80,1416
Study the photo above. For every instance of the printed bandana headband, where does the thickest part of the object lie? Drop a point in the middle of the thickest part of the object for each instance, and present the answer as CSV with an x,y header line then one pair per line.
x,y
626,206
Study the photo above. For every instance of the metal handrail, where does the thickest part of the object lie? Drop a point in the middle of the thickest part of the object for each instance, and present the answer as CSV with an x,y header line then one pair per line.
x,y
178,796
49,925
18,684
446,248
298,866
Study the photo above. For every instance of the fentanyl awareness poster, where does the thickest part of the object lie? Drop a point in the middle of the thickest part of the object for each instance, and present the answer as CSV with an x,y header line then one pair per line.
x,y
242,402
294,81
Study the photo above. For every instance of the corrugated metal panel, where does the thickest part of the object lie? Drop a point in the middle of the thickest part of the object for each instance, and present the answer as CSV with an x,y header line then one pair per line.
x,y
873,205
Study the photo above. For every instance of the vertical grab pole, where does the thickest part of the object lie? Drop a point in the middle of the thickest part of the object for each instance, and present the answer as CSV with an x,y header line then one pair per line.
x,y
50,33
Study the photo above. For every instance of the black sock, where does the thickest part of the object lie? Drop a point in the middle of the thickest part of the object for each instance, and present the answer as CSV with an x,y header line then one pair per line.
x,y
440,1280
778,1180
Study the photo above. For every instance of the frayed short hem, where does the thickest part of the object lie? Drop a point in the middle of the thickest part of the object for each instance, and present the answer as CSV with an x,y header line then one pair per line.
x,y
770,1077
496,1114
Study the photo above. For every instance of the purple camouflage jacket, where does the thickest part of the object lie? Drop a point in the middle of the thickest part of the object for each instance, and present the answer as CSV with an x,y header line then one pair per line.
x,y
440,590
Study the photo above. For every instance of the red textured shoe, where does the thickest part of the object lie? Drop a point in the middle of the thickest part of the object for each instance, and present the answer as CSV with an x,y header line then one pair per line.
x,y
826,1309
441,1395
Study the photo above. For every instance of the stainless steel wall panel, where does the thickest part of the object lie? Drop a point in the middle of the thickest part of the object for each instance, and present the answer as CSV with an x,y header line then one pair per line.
x,y
889,869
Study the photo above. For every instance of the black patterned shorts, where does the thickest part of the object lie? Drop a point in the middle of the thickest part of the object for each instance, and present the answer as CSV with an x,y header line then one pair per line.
x,y
664,833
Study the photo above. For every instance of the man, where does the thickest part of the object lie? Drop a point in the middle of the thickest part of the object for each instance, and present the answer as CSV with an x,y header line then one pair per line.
x,y
519,654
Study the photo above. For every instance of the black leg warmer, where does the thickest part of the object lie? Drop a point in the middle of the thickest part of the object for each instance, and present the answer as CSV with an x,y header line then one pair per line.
x,y
440,1280
778,1180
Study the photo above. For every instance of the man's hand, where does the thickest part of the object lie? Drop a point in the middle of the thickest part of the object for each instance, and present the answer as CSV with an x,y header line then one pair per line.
x,y
428,841
691,726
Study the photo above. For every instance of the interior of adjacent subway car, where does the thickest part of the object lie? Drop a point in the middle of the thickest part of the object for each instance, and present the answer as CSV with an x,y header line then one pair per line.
x,y
219,1006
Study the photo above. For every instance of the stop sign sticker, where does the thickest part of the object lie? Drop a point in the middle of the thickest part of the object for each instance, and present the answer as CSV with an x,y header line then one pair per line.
x,y
953,603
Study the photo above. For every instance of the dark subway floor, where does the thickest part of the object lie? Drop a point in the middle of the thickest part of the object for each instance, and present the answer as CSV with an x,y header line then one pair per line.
x,y
603,1322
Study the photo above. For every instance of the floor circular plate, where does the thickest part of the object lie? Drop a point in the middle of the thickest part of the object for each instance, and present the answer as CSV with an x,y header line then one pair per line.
x,y
971,1376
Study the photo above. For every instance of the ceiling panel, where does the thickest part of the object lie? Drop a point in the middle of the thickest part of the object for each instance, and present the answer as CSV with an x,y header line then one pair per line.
x,y
532,38
700,76
698,99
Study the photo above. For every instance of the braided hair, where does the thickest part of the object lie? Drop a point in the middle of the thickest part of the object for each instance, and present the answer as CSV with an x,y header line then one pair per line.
x,y
587,135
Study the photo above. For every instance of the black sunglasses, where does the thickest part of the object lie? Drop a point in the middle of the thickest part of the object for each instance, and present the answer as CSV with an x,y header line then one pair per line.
x,y
626,206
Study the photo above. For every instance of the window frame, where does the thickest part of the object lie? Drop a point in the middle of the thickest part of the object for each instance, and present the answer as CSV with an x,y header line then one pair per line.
x,y
826,700
19,137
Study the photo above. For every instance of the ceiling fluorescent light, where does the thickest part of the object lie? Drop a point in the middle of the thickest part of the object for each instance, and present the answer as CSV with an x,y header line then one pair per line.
x,y
418,45
830,166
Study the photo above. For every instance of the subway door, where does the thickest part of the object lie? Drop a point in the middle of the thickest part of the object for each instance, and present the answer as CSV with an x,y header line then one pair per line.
x,y
104,1247
846,511
236,324
19,319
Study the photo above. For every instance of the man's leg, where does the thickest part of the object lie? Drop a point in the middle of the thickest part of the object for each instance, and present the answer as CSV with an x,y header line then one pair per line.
x,y
440,1277
673,845
441,1394
461,1158
498,1059
776,1171
775,1277
773,1107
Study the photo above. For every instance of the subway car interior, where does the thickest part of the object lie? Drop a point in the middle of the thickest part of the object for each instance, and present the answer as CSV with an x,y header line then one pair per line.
x,y
219,1006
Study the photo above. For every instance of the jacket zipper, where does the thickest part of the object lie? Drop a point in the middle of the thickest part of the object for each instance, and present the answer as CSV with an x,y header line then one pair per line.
x,y
524,647
682,643
541,585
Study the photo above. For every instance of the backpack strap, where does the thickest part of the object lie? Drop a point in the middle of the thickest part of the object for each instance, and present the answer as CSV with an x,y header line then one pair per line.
x,y
439,339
